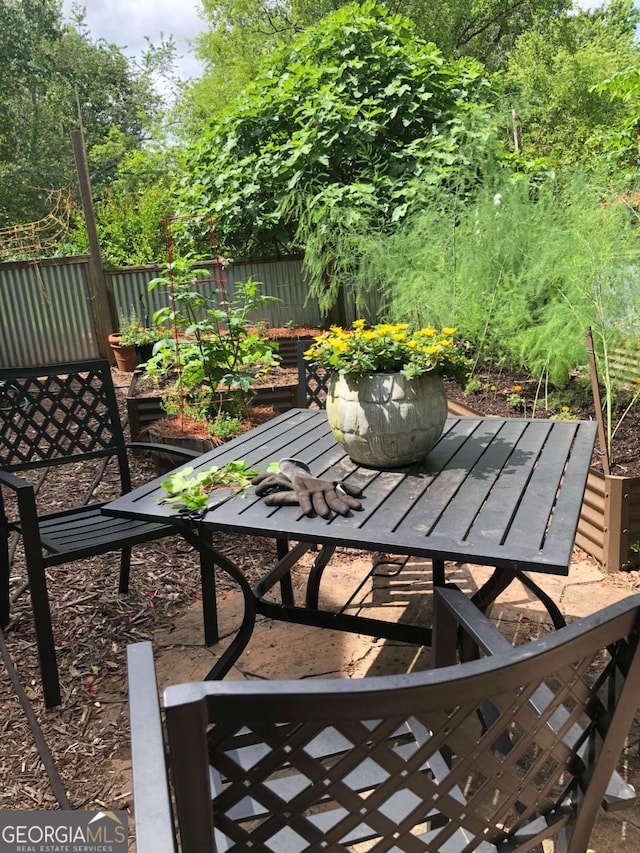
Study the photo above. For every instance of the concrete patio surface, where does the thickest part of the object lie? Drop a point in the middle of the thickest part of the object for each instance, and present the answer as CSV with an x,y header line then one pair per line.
x,y
283,650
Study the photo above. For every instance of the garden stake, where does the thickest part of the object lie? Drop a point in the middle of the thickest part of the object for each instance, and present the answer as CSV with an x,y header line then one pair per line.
x,y
595,388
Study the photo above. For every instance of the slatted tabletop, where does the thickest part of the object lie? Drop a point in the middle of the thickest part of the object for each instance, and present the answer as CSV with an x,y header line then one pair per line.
x,y
493,491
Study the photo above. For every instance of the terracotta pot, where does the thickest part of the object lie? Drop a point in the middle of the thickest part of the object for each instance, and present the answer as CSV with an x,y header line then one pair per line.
x,y
385,420
126,357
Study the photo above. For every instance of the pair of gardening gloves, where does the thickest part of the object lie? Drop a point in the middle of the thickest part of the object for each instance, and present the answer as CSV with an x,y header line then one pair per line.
x,y
294,485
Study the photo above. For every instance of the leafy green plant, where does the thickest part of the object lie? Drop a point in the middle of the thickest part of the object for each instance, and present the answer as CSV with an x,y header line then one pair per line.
x,y
225,426
215,353
358,88
134,333
193,491
517,401
565,414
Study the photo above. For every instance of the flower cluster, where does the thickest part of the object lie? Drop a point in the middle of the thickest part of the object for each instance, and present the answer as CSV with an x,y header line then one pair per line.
x,y
390,348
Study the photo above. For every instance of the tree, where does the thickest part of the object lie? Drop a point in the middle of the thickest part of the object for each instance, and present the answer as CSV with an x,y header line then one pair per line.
x,y
242,32
554,75
356,114
54,77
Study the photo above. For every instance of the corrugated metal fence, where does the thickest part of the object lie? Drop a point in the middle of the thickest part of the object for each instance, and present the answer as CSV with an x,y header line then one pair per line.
x,y
45,312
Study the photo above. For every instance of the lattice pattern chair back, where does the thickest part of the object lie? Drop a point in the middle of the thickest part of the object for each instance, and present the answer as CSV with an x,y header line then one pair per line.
x,y
408,762
59,414
313,381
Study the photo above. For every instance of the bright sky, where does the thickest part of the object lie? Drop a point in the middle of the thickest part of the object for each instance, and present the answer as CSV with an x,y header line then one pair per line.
x,y
125,23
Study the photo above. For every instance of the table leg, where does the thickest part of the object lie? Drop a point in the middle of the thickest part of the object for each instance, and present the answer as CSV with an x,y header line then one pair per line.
x,y
315,575
240,641
437,572
286,587
501,579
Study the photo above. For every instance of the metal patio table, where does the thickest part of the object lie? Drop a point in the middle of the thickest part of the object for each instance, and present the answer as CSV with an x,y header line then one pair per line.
x,y
501,492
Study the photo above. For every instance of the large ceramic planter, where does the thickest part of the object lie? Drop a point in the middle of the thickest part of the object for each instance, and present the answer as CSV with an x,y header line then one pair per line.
x,y
385,420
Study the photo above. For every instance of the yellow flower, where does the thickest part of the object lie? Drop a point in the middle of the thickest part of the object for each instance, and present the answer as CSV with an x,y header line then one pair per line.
x,y
388,347
517,387
448,331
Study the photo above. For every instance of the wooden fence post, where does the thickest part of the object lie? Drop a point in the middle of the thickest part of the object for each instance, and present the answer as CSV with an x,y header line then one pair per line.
x,y
102,303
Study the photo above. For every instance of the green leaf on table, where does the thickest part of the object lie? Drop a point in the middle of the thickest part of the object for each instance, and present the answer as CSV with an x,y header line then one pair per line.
x,y
193,490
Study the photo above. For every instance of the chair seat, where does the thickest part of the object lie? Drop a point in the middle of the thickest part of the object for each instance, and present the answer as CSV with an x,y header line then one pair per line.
x,y
85,531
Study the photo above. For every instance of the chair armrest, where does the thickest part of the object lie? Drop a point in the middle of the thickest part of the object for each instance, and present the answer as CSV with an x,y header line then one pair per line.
x,y
13,482
174,450
28,512
155,831
453,610
468,617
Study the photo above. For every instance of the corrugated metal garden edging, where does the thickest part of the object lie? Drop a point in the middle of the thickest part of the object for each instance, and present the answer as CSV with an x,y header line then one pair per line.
x,y
610,520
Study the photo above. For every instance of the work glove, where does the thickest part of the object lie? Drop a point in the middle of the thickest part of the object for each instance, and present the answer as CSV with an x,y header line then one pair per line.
x,y
295,485
266,483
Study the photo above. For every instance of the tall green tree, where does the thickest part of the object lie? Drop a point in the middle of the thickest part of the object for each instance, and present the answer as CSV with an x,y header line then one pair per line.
x,y
241,32
351,122
53,79
554,74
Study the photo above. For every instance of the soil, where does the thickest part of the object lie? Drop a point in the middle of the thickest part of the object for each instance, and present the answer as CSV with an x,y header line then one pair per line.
x,y
291,332
88,736
509,394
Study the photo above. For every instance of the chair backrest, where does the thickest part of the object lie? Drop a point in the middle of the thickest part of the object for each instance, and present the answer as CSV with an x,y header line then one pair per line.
x,y
313,381
57,414
411,759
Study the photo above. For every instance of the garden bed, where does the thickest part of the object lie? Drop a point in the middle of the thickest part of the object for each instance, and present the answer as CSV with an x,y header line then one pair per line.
x,y
287,338
277,390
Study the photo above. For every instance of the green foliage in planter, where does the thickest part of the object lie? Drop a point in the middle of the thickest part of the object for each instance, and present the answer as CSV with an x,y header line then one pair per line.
x,y
214,346
135,334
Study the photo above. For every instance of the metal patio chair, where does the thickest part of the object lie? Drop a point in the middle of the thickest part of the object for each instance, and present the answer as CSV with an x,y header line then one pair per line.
x,y
64,415
494,754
